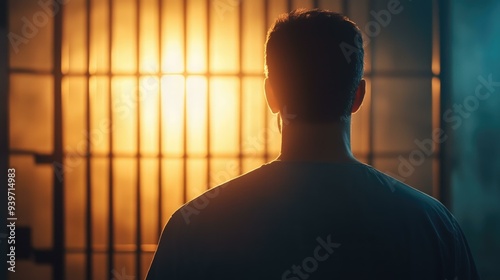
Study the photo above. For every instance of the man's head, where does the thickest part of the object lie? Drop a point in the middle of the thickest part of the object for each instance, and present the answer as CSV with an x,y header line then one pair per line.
x,y
314,66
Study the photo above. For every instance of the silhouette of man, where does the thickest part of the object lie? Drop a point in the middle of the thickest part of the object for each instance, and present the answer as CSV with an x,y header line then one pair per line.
x,y
315,212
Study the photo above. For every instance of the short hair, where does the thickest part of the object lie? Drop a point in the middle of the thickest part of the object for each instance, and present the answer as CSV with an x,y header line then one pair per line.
x,y
314,60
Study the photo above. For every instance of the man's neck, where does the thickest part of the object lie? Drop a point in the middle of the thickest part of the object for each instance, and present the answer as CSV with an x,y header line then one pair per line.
x,y
321,142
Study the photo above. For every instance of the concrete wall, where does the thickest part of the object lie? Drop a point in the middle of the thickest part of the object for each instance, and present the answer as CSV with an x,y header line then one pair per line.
x,y
472,99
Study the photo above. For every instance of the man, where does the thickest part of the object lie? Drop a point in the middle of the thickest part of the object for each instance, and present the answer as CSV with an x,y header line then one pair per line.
x,y
315,212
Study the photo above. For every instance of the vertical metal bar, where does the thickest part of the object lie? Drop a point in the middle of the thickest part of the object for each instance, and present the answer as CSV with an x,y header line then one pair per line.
x,y
138,153
266,113
435,92
185,155
436,97
289,5
4,116
88,202
445,74
240,76
345,7
111,231
58,195
371,152
160,138
316,4
209,152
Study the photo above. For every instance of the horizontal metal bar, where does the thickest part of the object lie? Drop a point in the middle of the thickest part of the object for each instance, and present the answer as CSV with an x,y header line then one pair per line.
x,y
135,74
376,73
48,158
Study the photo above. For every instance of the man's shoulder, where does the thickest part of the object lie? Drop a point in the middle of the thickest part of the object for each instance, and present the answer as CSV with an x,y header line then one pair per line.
x,y
401,189
226,195
266,184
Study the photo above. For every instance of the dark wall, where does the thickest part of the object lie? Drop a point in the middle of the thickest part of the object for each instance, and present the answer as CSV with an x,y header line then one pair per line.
x,y
471,114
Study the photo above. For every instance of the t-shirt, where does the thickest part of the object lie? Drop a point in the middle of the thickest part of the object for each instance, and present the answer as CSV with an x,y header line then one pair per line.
x,y
313,220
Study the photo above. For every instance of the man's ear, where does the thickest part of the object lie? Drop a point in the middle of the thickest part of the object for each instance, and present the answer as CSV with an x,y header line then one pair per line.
x,y
272,101
360,95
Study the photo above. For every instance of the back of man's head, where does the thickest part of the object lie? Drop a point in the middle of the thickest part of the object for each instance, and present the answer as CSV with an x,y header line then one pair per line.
x,y
314,62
